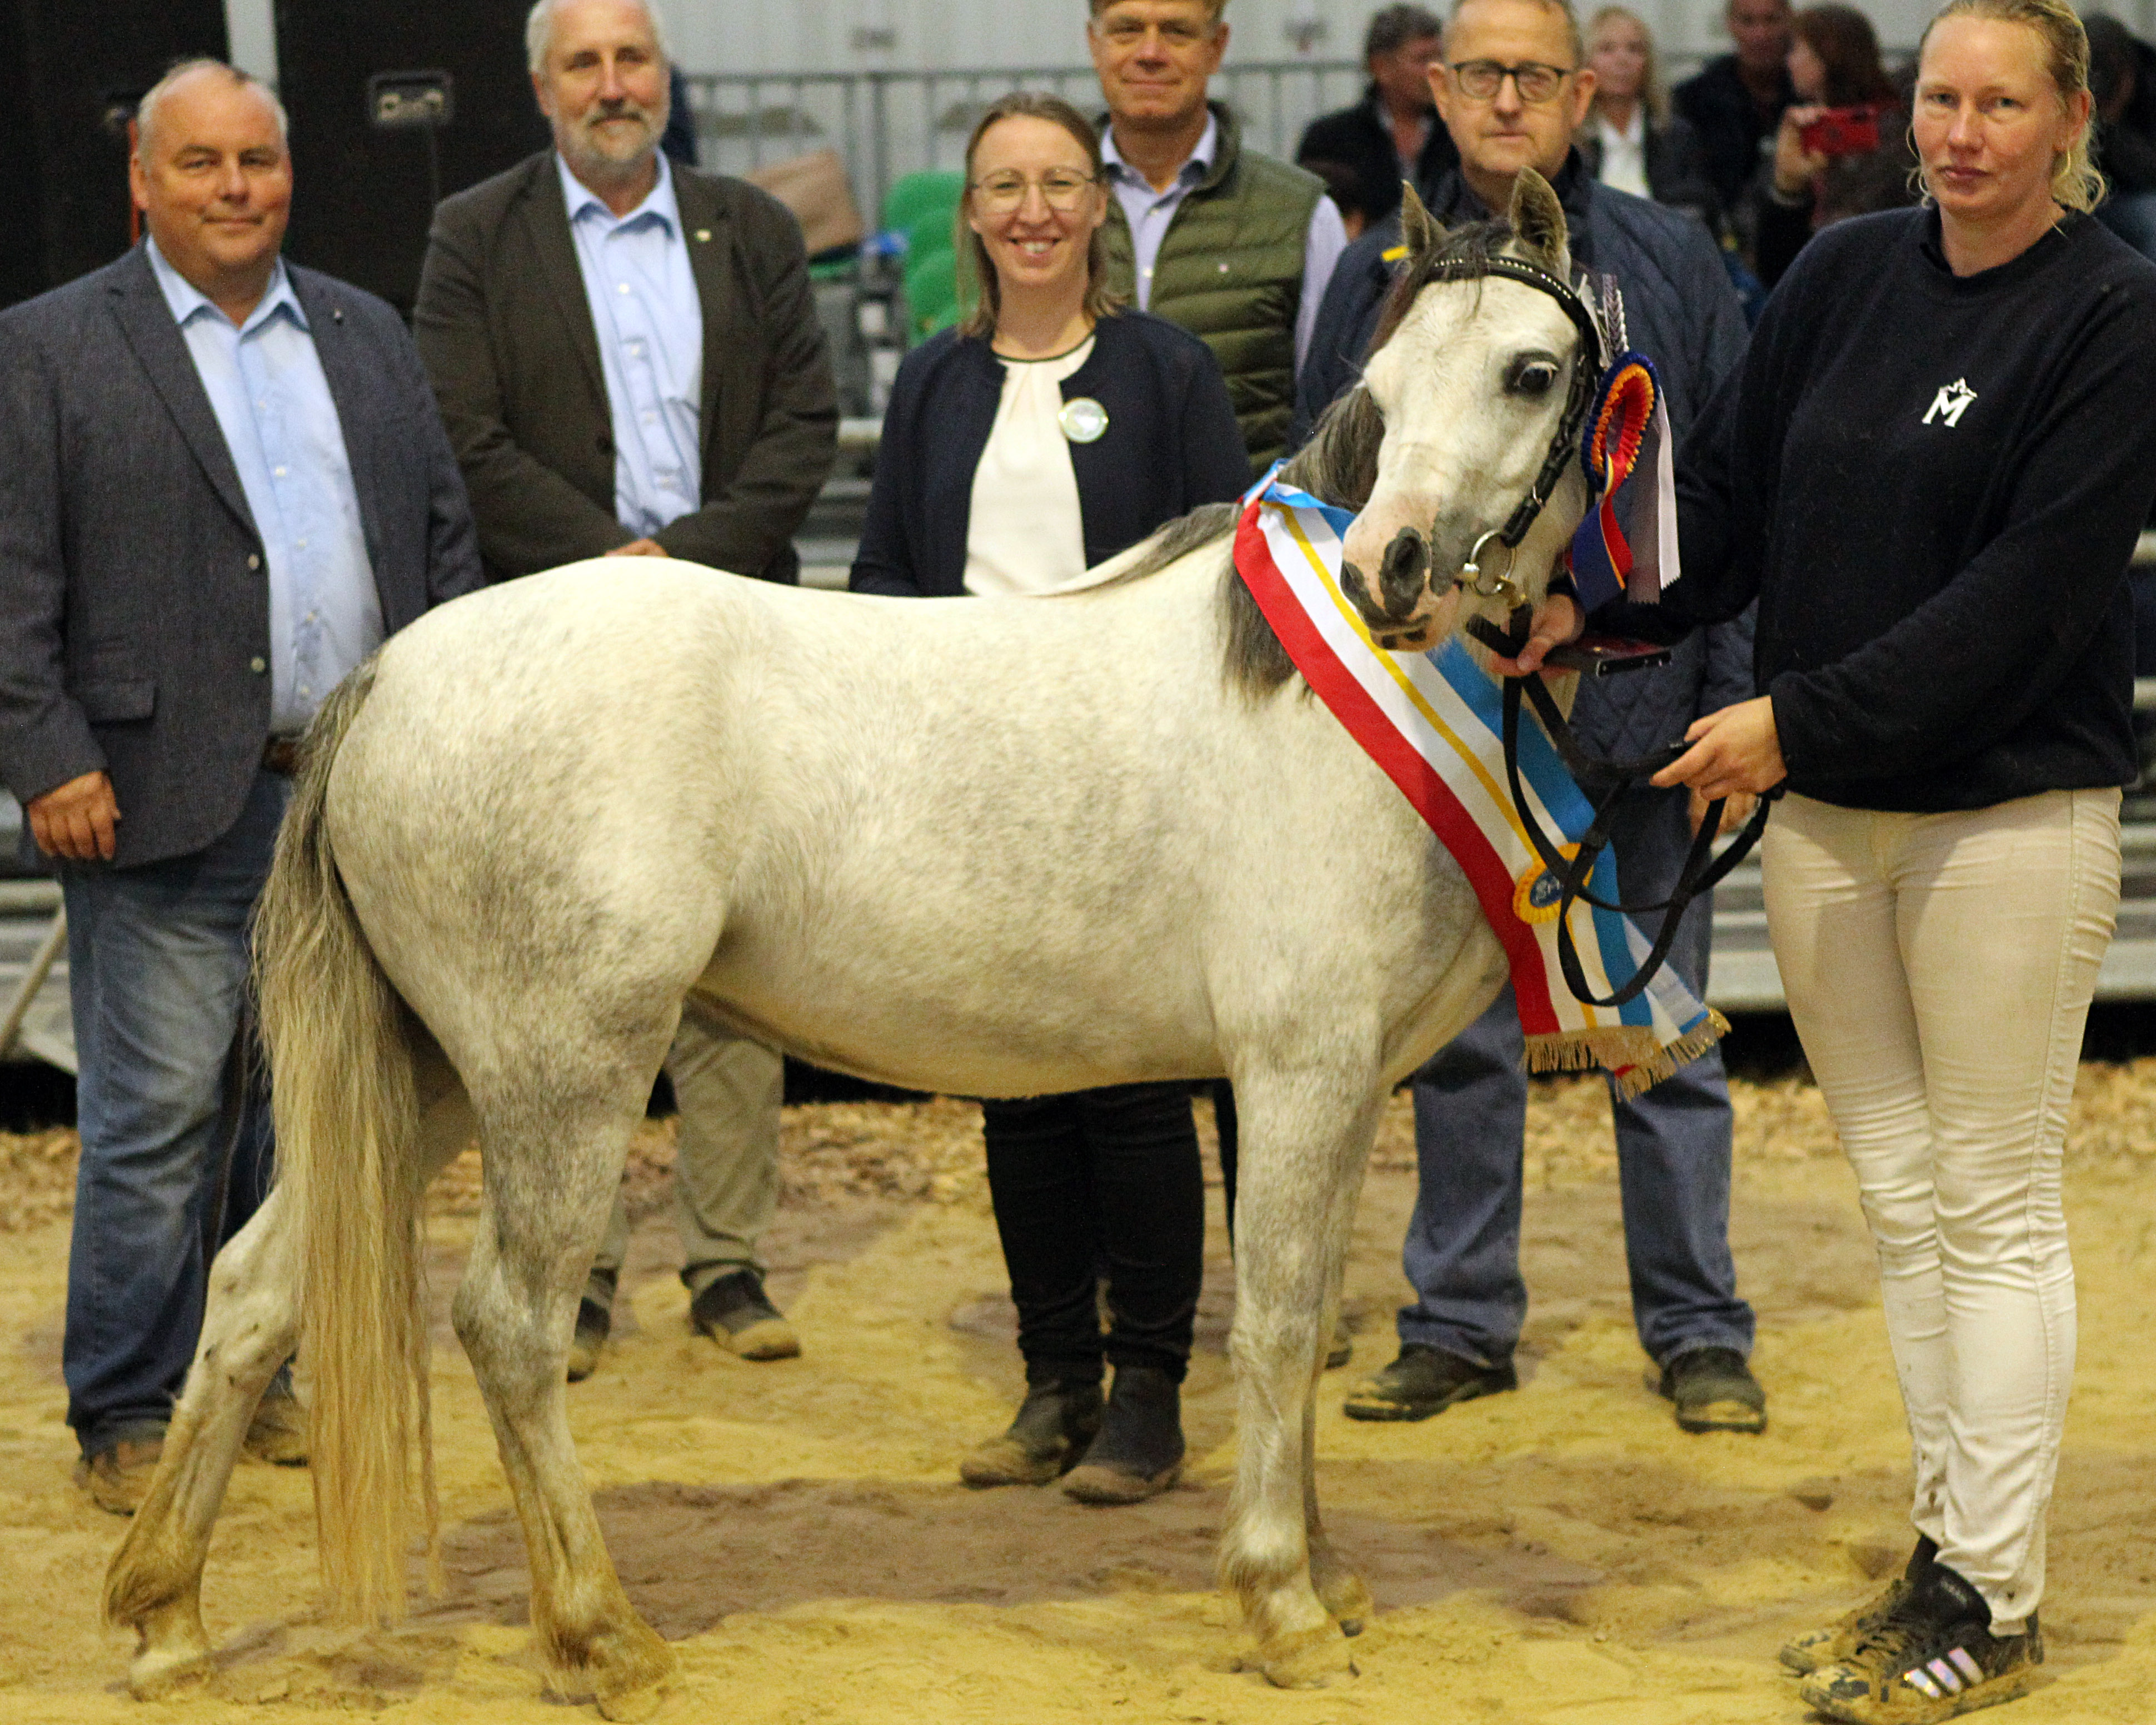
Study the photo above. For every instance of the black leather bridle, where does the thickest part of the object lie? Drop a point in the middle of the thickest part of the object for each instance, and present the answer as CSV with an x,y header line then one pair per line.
x,y
1604,780
1586,372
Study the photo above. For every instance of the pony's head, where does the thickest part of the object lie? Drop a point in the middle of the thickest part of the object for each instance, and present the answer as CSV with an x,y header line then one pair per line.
x,y
1473,376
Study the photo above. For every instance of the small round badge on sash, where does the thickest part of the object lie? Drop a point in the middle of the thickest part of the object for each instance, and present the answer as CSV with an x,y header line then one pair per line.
x,y
1083,420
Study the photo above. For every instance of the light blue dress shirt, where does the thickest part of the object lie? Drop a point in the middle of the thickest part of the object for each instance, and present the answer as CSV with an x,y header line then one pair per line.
x,y
650,322
1149,213
265,385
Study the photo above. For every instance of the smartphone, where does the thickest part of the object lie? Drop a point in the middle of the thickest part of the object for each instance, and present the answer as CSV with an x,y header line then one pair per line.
x,y
1606,656
1842,131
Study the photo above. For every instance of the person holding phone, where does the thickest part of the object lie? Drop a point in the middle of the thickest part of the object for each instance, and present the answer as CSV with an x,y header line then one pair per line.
x,y
1049,431
1929,475
1841,149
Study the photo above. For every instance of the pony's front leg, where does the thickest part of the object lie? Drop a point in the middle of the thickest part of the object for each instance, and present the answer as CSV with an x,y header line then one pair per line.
x,y
1305,1139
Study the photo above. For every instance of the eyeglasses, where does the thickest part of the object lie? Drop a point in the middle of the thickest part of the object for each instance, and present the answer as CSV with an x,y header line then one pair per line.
x,y
1062,188
1481,80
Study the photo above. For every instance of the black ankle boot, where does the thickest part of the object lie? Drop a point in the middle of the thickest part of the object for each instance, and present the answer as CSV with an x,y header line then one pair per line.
x,y
1054,1425
1139,1452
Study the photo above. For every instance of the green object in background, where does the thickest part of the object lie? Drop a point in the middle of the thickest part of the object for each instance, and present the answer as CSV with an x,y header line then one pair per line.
x,y
932,290
915,195
930,234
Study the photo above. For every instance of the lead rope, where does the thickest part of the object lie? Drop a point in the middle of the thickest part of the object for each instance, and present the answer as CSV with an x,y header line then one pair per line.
x,y
1702,871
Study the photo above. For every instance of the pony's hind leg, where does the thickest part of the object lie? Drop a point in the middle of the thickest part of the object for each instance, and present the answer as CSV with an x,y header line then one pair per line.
x,y
1304,1142
553,1157
250,1321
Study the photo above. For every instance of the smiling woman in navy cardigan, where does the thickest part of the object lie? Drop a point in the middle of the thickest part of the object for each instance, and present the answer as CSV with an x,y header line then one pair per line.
x,y
1170,444
1049,432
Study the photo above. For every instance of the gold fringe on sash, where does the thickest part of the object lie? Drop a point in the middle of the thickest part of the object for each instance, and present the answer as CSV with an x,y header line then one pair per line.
x,y
1633,1057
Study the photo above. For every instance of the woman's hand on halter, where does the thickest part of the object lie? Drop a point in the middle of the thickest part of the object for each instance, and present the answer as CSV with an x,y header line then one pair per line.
x,y
1734,751
1557,621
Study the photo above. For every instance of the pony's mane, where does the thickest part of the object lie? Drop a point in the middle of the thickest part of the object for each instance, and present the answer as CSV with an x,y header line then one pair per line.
x,y
1338,465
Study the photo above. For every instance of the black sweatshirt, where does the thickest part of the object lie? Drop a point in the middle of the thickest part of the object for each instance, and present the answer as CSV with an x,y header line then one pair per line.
x,y
1932,484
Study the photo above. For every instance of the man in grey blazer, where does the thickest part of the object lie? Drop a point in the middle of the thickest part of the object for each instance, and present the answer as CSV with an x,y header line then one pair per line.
x,y
221,483
628,360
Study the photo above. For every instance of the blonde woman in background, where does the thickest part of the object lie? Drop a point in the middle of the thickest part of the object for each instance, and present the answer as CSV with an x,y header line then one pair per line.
x,y
1632,141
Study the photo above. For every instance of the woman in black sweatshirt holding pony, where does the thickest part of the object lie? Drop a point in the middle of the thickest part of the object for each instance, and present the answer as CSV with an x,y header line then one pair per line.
x,y
1929,473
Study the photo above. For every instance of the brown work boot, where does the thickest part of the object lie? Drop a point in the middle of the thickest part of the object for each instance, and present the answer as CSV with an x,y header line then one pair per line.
x,y
278,1432
734,1313
117,1477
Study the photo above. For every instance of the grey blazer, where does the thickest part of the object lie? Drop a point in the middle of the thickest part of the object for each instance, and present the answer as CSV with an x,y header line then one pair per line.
x,y
506,334
134,605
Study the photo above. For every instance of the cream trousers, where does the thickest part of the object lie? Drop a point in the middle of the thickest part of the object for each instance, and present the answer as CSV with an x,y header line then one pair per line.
x,y
1939,969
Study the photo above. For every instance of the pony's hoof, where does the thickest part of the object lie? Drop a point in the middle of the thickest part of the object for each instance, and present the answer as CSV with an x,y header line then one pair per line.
x,y
1304,1659
160,1676
1348,1602
631,1707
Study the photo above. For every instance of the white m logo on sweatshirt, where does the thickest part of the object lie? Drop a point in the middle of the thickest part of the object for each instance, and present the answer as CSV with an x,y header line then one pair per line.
x,y
1951,403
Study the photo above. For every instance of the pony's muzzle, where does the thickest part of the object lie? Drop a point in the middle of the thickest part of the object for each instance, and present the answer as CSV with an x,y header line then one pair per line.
x,y
1403,583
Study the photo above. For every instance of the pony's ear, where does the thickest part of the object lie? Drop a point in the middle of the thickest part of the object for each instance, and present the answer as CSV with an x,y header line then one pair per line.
x,y
1419,230
1537,221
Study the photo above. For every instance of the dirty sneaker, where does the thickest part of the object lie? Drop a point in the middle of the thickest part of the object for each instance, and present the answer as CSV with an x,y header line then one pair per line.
x,y
1934,1658
1835,1641
1423,1381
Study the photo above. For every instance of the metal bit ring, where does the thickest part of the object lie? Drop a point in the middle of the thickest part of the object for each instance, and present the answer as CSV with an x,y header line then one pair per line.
x,y
1484,586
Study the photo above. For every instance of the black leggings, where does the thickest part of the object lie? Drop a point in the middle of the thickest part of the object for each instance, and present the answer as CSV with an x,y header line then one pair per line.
x,y
1100,1182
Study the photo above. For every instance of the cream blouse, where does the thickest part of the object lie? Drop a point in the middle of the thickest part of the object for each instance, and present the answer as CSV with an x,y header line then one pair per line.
x,y
1025,533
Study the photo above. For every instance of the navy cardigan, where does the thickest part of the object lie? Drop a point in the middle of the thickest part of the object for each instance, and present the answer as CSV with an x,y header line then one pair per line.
x,y
1171,444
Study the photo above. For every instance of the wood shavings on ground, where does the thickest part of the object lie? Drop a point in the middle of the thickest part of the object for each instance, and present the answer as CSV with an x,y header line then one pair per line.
x,y
930,1151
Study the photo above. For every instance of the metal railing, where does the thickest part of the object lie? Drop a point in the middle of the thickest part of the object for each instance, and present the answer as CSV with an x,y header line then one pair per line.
x,y
885,125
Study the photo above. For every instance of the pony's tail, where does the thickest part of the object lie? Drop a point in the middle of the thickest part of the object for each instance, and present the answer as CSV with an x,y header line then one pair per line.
x,y
347,1150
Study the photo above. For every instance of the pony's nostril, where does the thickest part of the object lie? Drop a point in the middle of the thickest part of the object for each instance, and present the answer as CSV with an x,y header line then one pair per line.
x,y
1401,575
1358,592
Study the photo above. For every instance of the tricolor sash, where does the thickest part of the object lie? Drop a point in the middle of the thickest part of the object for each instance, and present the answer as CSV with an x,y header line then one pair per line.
x,y
1433,722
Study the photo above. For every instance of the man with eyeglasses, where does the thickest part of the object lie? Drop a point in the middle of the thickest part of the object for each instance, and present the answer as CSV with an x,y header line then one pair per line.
x,y
1230,243
1512,89
628,359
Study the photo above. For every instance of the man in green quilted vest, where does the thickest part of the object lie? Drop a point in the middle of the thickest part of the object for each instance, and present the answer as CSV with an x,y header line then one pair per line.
x,y
1232,244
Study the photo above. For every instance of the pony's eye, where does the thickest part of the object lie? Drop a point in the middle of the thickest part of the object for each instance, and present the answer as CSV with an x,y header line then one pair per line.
x,y
1530,376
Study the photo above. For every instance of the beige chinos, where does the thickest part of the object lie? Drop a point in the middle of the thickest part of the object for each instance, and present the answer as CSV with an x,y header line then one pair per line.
x,y
726,1163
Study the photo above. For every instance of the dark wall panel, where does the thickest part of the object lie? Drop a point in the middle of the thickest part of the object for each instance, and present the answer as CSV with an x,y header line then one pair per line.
x,y
362,195
72,71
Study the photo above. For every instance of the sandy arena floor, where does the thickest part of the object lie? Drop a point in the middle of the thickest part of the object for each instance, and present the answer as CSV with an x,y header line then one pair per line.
x,y
795,1530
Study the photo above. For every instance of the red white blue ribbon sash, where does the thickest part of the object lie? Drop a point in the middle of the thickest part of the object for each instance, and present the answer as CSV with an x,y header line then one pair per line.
x,y
1433,722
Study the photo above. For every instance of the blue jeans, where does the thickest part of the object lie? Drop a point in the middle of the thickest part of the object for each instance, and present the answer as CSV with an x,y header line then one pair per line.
x,y
1462,1254
175,1141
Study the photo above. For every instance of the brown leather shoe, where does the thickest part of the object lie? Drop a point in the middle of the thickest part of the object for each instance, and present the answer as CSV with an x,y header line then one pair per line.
x,y
118,1479
277,1433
